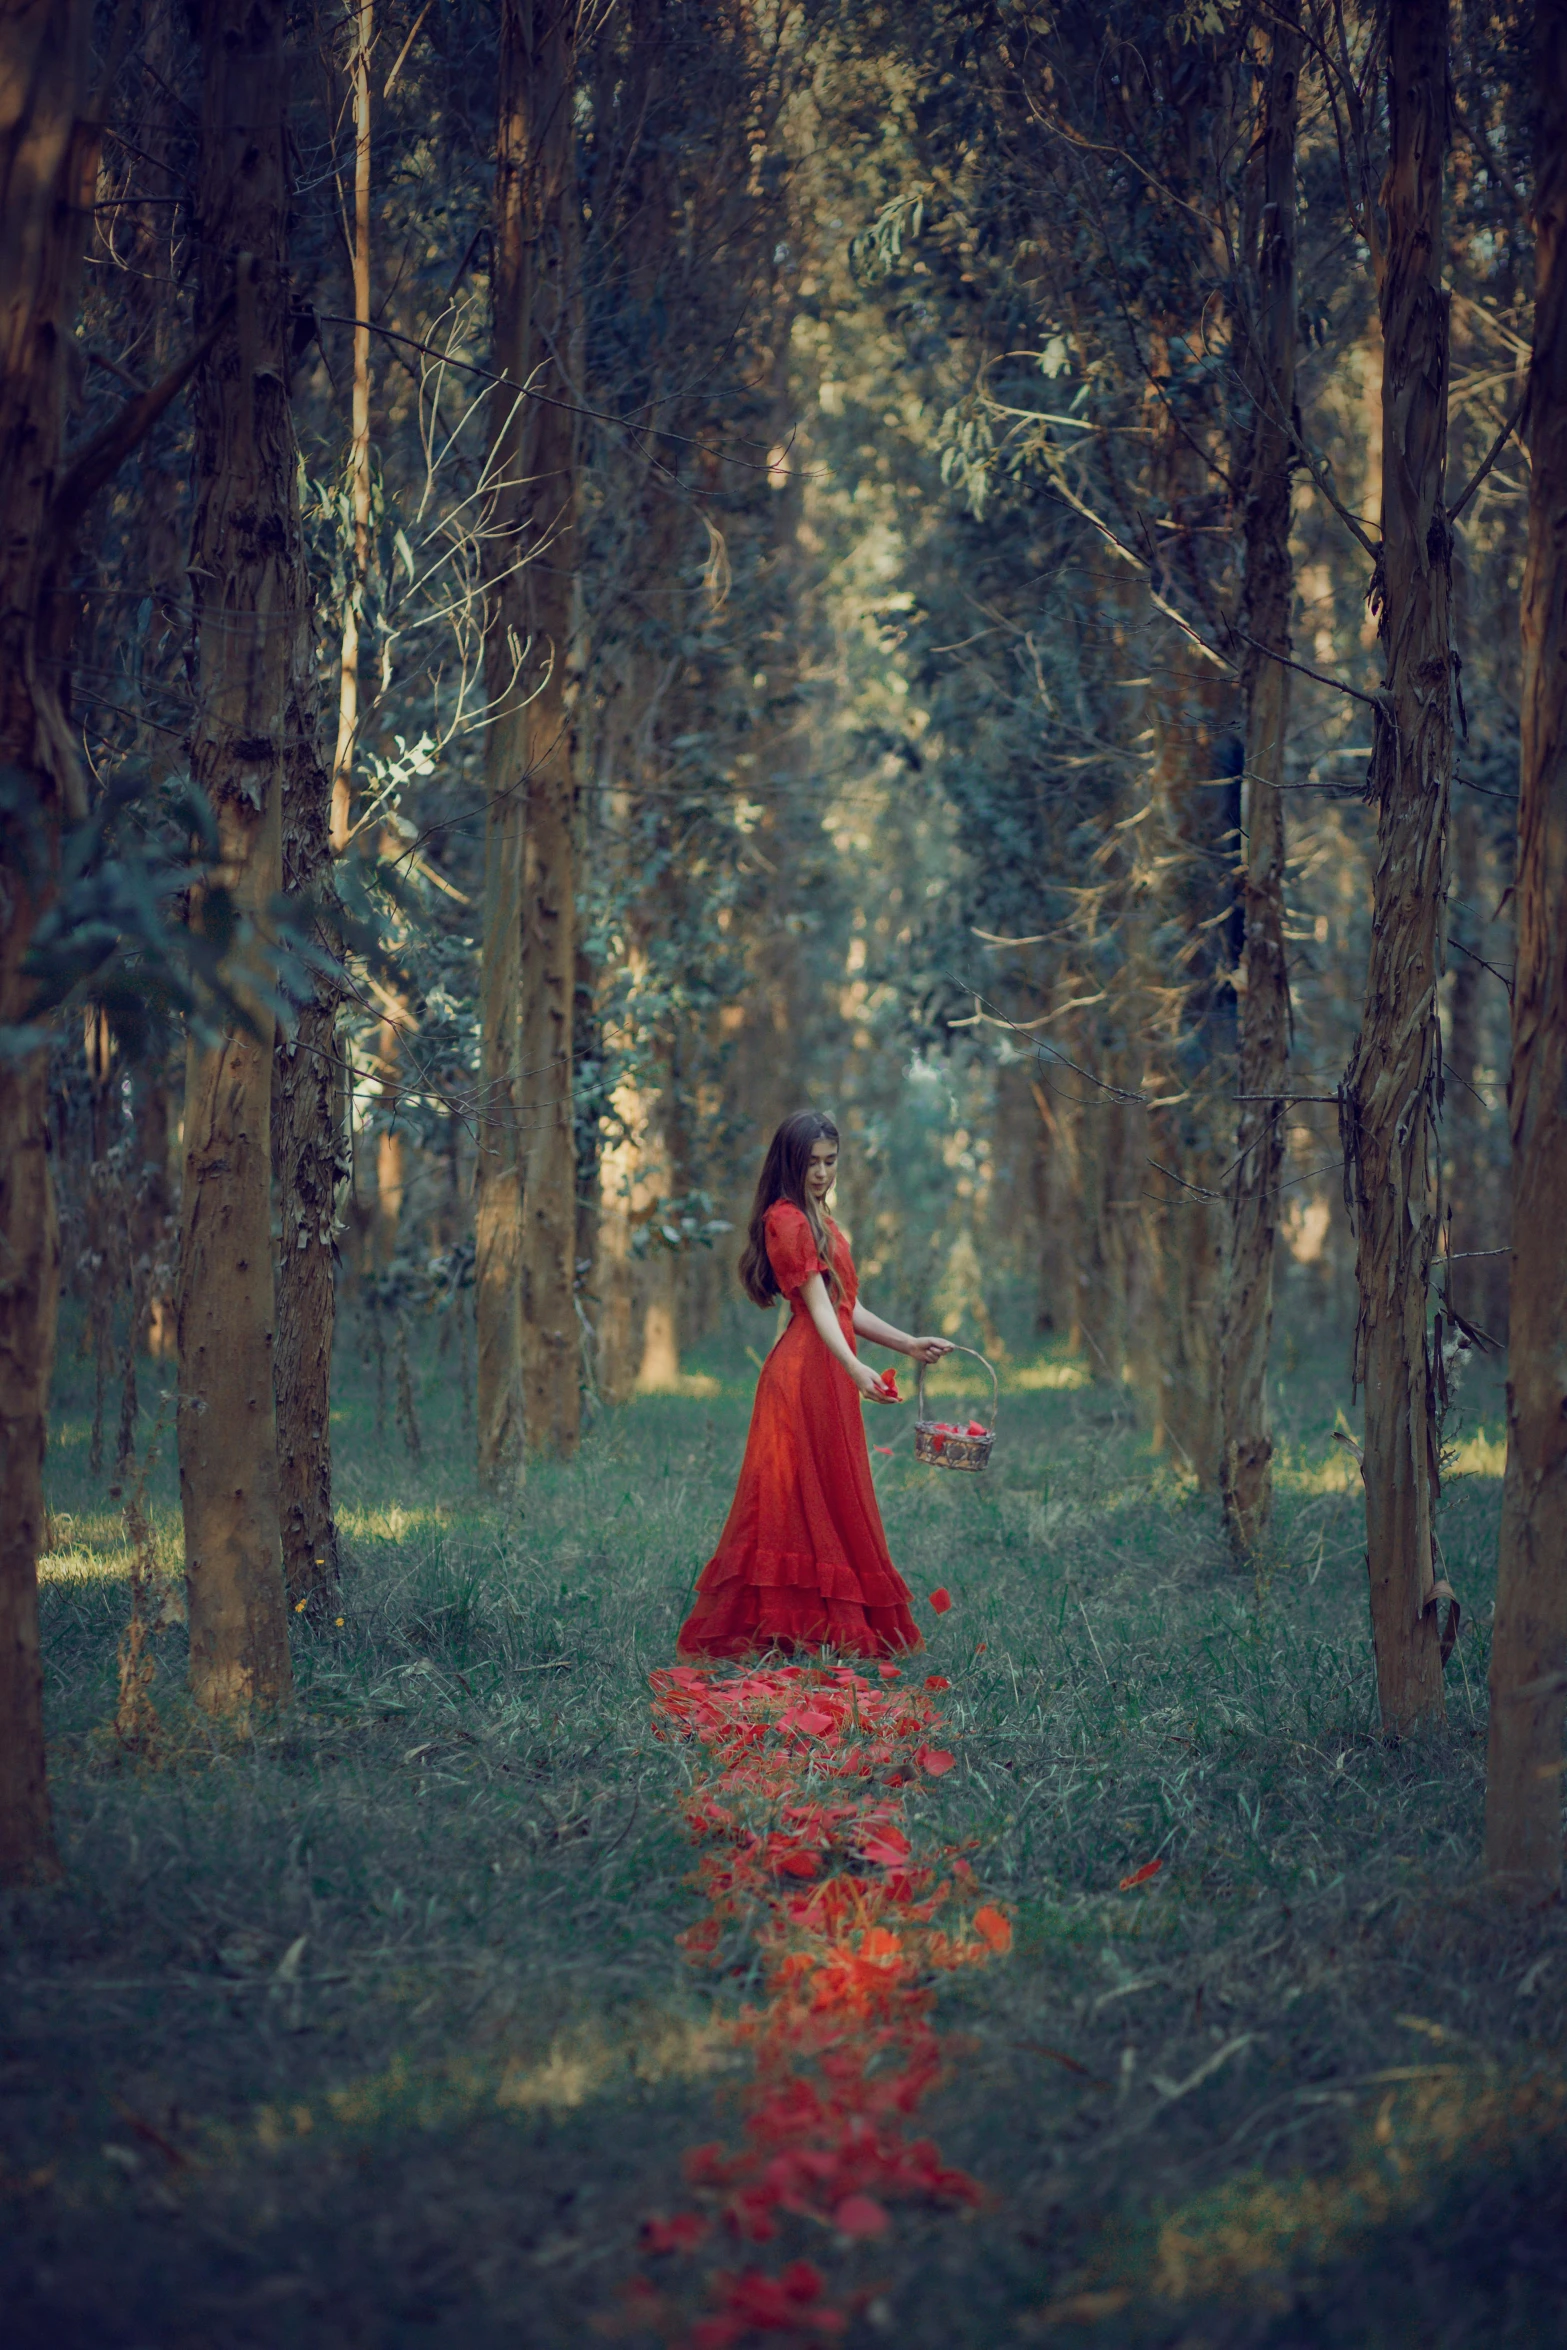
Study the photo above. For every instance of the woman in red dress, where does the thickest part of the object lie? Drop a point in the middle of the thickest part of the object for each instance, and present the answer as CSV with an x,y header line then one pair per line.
x,y
802,1561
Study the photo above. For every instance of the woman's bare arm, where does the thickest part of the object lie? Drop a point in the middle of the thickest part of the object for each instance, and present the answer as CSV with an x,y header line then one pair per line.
x,y
813,1292
880,1333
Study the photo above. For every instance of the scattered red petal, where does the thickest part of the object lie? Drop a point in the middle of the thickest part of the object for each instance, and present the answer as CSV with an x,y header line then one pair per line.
x,y
683,2233
937,1681
861,2215
941,1601
1150,1868
800,1864
890,1672
934,1759
883,1448
994,1926
717,2333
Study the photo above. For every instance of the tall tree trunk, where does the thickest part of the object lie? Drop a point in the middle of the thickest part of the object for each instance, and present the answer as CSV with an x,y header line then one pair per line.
x,y
1392,1089
388,1142
497,1271
309,1160
363,12
552,1343
104,1212
1264,1003
47,163
358,445
1468,1227
309,1146
1523,1805
247,579
156,1238
529,1347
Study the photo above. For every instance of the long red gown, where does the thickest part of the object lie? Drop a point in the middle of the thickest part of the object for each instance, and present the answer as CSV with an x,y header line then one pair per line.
x,y
802,1561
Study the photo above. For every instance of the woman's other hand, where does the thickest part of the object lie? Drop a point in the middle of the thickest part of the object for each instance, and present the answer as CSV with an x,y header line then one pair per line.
x,y
869,1384
929,1350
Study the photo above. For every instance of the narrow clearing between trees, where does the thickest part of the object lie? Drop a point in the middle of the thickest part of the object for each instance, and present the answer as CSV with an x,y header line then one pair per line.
x,y
409,2020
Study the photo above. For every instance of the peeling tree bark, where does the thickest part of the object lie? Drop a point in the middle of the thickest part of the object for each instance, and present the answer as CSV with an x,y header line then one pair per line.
x,y
47,162
247,578
1246,1475
1523,1806
1392,1089
525,1274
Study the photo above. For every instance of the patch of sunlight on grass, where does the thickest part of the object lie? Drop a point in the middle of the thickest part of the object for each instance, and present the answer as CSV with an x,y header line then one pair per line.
x,y
1063,1378
577,2067
1431,2117
92,1529
391,1523
84,1566
1339,1473
697,1383
1478,1456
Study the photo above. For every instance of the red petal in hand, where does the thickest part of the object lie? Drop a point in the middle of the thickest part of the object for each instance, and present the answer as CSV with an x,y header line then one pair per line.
x,y
860,2215
941,1601
1150,1868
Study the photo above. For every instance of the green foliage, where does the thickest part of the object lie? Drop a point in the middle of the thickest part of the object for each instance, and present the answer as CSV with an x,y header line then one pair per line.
x,y
113,933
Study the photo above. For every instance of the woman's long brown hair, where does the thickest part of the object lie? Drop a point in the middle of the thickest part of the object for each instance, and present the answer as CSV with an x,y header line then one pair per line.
x,y
783,1177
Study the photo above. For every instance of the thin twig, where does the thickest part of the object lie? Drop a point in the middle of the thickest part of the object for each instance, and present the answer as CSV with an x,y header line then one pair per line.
x,y
1320,676
1509,427
1484,965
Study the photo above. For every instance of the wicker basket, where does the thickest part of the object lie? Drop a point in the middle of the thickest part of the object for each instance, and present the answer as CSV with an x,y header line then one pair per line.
x,y
954,1452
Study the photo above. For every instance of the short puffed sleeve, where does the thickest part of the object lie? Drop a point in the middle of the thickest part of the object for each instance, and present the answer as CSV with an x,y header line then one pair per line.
x,y
791,1246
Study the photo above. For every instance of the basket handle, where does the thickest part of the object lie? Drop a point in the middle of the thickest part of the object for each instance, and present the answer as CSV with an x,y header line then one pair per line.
x,y
995,1386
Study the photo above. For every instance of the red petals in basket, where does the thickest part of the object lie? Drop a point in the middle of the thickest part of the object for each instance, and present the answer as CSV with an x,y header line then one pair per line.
x,y
945,1428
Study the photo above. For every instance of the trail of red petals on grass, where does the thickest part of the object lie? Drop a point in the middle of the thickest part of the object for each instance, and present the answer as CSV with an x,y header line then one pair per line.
x,y
805,1856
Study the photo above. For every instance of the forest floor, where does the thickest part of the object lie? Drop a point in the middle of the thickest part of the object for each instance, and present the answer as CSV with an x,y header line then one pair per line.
x,y
374,2028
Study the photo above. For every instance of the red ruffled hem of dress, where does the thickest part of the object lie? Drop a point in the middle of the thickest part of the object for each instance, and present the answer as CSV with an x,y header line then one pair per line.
x,y
748,1626
781,1599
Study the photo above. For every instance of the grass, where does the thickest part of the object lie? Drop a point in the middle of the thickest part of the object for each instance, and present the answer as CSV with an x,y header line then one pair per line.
x,y
372,2028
